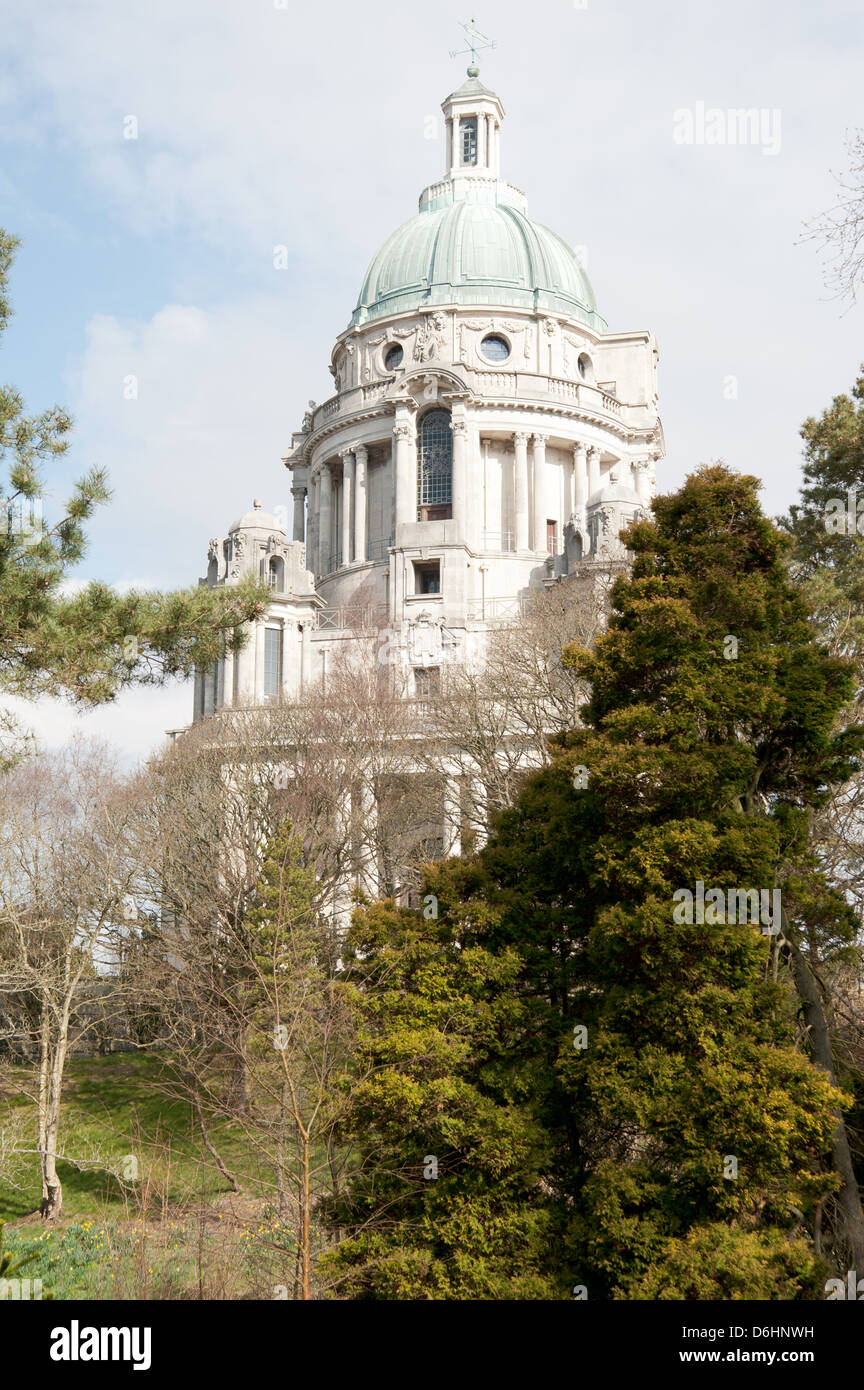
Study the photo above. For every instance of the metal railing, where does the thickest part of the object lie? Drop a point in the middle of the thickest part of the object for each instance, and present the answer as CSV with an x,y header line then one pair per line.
x,y
378,550
496,540
496,610
368,617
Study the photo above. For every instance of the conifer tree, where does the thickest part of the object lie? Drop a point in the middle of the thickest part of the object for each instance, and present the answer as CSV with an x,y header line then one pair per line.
x,y
677,1139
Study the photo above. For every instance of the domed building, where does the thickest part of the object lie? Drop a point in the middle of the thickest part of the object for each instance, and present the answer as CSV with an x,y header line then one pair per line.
x,y
488,435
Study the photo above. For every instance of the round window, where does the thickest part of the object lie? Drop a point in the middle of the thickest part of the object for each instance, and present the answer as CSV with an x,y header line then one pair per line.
x,y
584,365
393,357
495,348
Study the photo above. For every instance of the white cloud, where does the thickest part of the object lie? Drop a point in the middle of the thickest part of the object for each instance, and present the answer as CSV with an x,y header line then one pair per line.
x,y
135,724
204,432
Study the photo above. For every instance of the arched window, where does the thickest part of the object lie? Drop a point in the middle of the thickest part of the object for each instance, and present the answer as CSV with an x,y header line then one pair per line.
x,y
275,574
435,467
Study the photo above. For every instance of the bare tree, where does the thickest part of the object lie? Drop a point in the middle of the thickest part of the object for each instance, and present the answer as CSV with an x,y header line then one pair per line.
x,y
65,885
840,230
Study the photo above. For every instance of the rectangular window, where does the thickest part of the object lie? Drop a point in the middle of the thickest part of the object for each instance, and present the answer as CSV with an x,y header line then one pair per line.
x,y
427,576
427,682
468,127
272,663
552,537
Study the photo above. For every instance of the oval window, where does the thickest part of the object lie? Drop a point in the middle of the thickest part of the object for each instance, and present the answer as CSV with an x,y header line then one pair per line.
x,y
584,365
393,357
495,348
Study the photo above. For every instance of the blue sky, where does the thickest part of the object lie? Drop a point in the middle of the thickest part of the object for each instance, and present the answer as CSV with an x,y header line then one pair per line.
x,y
263,124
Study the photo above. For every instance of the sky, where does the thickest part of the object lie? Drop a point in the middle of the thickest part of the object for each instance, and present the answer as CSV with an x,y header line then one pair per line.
x,y
153,156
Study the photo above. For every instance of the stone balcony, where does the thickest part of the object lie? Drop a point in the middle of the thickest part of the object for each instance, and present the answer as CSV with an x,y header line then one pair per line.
x,y
529,388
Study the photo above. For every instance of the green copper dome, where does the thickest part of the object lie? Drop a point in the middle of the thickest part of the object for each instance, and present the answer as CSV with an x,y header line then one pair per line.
x,y
474,244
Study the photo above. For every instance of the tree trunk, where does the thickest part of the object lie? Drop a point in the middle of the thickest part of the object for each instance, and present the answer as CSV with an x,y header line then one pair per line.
x,y
305,1233
211,1147
52,1064
848,1198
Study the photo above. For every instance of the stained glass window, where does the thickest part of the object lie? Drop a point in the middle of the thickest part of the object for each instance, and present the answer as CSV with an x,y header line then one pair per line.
x,y
272,661
495,348
435,459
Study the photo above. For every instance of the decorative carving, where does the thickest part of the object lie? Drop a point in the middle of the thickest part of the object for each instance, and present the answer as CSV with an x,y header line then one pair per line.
x,y
403,429
431,338
550,328
521,436
458,426
570,343
426,640
212,549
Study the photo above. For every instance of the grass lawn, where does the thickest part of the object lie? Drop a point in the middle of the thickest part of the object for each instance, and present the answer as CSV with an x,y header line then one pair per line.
x,y
178,1232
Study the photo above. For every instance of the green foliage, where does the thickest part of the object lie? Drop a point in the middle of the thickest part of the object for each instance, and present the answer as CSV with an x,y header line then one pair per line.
x,y
90,645
829,562
447,1204
10,1266
604,1164
721,1262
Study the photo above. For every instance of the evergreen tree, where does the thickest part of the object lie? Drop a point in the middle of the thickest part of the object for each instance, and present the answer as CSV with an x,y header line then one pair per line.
x,y
92,644
676,1141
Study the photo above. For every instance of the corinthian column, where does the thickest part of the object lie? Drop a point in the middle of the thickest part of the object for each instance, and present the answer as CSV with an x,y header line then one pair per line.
x,y
324,514
312,527
299,495
539,450
459,429
404,464
520,488
593,470
361,458
642,470
347,489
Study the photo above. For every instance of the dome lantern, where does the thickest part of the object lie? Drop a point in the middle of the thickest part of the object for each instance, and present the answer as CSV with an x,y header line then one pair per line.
x,y
472,122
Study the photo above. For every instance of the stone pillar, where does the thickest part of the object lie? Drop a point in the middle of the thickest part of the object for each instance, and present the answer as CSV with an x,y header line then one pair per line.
x,y
459,428
305,634
580,478
312,527
487,141
361,459
405,464
452,817
228,679
481,811
520,488
342,894
245,660
347,491
593,470
299,495
369,876
642,471
258,669
539,452
324,514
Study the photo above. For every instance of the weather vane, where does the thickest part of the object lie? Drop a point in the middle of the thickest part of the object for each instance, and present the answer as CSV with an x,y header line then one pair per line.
x,y
476,42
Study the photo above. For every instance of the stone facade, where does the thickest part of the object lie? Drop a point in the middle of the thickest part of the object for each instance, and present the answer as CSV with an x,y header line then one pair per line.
x,y
487,435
